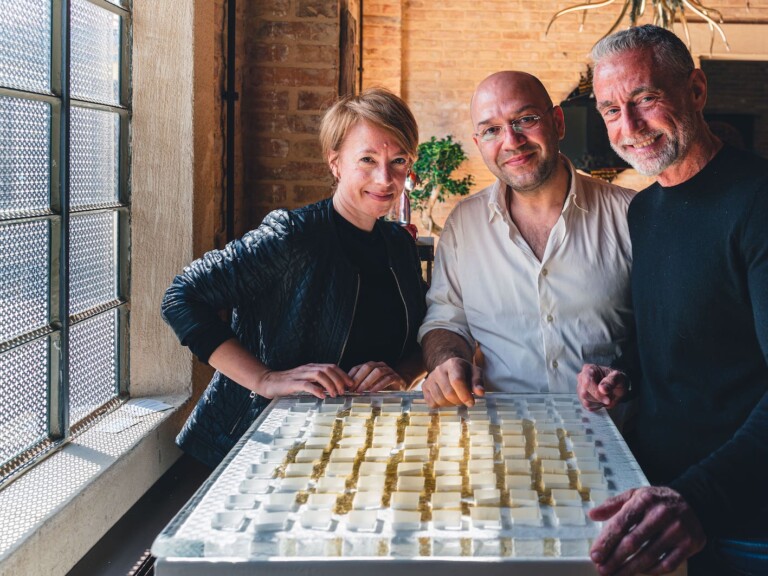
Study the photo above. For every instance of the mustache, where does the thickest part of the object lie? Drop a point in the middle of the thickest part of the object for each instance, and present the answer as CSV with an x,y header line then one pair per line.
x,y
640,138
519,152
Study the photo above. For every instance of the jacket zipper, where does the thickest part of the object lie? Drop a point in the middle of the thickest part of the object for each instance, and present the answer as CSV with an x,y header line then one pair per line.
x,y
405,308
251,396
349,330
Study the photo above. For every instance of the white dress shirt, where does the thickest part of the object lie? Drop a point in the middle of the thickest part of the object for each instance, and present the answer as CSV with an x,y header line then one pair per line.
x,y
535,322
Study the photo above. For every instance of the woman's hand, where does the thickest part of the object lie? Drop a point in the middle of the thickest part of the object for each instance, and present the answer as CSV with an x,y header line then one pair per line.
x,y
238,364
315,379
374,377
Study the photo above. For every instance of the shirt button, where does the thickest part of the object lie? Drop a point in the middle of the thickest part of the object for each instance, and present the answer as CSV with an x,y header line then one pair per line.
x,y
544,271
549,318
554,364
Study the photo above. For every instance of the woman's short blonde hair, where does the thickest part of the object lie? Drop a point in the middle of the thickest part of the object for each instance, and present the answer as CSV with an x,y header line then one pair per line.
x,y
377,106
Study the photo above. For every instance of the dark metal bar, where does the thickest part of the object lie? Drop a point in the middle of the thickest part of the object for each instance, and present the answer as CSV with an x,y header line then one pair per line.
x,y
231,96
60,395
360,54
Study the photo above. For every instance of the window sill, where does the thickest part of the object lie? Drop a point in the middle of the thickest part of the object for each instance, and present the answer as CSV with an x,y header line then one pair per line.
x,y
56,511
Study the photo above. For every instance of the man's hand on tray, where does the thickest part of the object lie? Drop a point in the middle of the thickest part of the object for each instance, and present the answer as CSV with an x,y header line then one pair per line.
x,y
455,382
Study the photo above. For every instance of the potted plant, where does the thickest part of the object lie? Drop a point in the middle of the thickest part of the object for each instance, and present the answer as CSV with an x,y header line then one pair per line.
x,y
433,183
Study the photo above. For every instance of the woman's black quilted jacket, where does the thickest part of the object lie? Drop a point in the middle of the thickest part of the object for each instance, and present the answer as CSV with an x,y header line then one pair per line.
x,y
292,292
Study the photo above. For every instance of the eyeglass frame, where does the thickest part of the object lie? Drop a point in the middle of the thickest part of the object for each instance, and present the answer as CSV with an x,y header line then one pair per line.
x,y
514,125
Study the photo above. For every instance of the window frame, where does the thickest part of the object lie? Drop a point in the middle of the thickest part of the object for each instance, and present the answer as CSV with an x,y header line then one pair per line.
x,y
58,216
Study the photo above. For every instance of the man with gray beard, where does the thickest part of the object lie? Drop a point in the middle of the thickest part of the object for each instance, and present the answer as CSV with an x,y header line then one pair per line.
x,y
699,369
532,271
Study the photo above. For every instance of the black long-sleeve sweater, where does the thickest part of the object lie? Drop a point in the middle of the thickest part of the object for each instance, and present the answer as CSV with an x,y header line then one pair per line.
x,y
700,295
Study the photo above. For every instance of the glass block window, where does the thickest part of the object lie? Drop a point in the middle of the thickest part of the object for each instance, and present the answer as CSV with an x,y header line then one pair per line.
x,y
24,276
25,45
25,127
92,364
64,214
95,53
94,157
23,397
93,271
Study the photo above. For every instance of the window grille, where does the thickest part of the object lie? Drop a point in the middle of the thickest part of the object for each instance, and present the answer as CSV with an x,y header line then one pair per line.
x,y
64,219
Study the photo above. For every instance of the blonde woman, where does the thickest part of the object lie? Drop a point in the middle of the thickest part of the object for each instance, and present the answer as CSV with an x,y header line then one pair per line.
x,y
325,299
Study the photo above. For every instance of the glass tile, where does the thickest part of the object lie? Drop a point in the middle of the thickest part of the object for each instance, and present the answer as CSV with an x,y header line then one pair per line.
x,y
94,159
23,278
25,127
23,398
25,45
92,364
95,64
92,262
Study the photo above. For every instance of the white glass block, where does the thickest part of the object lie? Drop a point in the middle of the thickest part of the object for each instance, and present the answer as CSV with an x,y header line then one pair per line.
x,y
95,48
25,127
485,517
94,157
93,268
24,399
447,519
92,364
404,501
25,45
23,278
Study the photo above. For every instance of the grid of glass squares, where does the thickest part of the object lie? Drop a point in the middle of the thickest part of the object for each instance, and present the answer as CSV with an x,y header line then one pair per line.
x,y
94,157
92,364
23,278
23,397
92,260
95,53
25,127
25,45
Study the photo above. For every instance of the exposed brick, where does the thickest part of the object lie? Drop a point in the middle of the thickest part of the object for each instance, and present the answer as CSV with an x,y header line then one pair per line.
x,y
306,194
313,8
268,52
268,99
309,149
295,77
269,8
285,123
290,170
298,31
315,99
272,147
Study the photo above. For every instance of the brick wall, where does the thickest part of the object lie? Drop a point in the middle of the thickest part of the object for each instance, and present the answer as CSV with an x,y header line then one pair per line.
x,y
435,53
290,72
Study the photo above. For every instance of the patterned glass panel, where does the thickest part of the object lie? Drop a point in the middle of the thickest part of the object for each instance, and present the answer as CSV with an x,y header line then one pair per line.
x,y
92,364
25,127
92,263
23,398
95,66
25,45
94,161
23,278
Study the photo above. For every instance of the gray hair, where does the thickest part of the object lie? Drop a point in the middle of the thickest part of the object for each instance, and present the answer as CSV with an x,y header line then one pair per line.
x,y
667,49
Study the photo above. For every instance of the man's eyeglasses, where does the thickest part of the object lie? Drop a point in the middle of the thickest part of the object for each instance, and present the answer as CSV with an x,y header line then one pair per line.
x,y
518,125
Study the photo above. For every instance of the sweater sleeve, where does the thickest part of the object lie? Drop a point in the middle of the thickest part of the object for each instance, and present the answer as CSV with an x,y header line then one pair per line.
x,y
728,487
235,277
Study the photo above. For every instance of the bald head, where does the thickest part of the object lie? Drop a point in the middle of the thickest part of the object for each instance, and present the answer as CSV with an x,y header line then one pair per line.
x,y
508,85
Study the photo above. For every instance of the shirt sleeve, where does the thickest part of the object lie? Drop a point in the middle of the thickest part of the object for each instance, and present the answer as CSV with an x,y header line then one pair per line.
x,y
729,487
234,278
445,307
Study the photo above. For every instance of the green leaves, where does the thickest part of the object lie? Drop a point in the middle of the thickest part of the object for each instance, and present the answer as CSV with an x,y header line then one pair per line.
x,y
437,161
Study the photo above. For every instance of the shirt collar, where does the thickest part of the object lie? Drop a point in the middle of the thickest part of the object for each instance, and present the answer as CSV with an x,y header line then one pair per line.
x,y
497,200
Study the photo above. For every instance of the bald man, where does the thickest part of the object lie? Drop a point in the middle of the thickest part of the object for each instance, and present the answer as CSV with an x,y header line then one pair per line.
x,y
532,271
